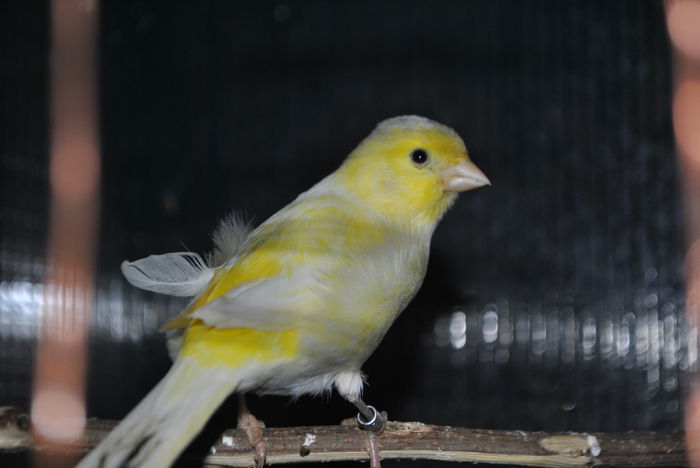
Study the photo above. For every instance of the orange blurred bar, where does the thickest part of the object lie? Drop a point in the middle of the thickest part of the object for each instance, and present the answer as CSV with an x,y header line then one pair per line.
x,y
58,402
683,21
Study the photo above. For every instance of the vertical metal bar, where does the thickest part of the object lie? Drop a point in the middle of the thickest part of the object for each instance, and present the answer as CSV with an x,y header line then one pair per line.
x,y
58,401
683,21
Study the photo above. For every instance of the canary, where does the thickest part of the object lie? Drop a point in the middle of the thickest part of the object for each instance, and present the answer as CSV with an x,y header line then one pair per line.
x,y
297,305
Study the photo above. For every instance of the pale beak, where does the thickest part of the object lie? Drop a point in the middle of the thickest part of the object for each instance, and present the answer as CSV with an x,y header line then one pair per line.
x,y
464,176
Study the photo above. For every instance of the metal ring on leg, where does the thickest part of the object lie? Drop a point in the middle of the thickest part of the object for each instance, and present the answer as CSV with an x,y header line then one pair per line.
x,y
375,423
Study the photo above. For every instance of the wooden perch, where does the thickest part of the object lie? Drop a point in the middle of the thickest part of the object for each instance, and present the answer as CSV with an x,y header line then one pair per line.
x,y
410,440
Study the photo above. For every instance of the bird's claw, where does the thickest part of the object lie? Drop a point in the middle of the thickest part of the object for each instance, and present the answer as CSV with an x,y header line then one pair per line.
x,y
260,454
253,429
373,449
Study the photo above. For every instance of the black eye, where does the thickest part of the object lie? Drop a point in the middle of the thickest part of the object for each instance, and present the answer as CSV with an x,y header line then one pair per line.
x,y
419,156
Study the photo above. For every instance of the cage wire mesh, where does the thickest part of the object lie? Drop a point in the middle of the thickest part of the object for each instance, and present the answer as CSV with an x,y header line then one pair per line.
x,y
554,299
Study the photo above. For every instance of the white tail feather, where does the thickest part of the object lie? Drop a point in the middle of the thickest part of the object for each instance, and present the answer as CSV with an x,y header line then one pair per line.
x,y
175,274
166,420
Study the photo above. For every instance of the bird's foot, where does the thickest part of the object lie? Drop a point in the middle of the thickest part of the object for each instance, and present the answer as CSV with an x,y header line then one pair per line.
x,y
253,429
373,449
370,420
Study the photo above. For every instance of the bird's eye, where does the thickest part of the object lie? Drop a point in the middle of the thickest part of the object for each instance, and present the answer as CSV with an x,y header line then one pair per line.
x,y
419,156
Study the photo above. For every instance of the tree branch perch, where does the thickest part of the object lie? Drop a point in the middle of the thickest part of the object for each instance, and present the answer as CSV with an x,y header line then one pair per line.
x,y
405,440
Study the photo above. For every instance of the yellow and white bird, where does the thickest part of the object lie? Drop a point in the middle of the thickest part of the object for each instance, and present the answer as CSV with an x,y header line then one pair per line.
x,y
297,305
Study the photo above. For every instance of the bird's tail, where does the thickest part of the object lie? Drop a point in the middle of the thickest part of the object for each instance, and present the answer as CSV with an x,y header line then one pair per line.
x,y
166,420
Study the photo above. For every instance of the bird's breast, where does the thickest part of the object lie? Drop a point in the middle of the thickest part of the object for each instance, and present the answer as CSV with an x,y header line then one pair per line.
x,y
361,301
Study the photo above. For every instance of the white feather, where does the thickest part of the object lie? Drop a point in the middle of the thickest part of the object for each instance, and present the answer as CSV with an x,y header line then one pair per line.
x,y
349,384
174,342
228,239
175,274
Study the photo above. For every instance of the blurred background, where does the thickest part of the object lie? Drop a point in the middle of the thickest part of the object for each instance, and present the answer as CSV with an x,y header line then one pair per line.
x,y
554,299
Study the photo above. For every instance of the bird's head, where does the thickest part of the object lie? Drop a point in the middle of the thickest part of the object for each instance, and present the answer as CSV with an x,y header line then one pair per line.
x,y
410,168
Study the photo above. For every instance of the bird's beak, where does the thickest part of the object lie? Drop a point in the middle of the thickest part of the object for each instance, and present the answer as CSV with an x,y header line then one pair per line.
x,y
464,176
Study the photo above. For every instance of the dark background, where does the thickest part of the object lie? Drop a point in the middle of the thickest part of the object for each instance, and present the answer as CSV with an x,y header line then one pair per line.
x,y
553,300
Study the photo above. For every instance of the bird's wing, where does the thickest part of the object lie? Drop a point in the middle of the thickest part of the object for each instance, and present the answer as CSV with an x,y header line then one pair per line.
x,y
269,305
267,288
175,274
278,276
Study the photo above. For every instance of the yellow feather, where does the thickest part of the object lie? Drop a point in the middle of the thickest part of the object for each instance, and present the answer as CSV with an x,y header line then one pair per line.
x,y
235,347
399,190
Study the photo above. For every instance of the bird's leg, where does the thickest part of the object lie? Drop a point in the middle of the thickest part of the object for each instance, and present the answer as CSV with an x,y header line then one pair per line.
x,y
371,420
252,427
